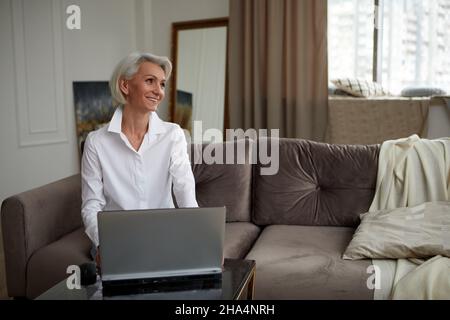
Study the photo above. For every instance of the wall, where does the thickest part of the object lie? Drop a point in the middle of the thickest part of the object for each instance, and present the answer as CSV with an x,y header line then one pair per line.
x,y
165,12
439,118
109,30
54,57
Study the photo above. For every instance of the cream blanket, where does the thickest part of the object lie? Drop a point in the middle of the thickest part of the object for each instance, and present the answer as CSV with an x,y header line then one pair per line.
x,y
412,171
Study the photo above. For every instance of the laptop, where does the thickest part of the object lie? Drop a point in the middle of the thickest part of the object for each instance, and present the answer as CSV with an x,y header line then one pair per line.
x,y
158,250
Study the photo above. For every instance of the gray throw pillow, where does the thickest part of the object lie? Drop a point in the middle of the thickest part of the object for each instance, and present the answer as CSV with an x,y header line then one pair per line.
x,y
422,92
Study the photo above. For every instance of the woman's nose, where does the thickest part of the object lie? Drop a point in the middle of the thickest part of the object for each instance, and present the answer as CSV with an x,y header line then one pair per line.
x,y
158,89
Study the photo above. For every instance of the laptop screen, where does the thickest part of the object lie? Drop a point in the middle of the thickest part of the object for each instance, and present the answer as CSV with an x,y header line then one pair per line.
x,y
156,243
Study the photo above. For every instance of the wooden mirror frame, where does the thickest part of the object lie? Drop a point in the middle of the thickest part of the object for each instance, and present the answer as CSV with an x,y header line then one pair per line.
x,y
191,25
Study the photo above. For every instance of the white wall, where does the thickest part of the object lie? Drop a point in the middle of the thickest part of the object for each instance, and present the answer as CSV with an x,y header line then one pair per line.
x,y
29,157
144,35
110,29
165,12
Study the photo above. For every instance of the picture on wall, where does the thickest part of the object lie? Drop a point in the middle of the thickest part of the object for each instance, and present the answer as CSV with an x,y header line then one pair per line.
x,y
183,110
93,107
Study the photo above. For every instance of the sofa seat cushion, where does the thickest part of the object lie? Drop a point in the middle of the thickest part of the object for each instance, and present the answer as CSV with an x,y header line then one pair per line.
x,y
48,265
239,238
303,262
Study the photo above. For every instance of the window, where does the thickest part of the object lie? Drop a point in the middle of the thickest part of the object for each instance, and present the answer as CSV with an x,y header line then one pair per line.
x,y
350,38
412,43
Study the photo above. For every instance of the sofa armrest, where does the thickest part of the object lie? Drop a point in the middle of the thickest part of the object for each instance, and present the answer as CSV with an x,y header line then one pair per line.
x,y
34,219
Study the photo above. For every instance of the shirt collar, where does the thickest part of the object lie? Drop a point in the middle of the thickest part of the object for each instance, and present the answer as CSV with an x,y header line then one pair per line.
x,y
156,124
115,125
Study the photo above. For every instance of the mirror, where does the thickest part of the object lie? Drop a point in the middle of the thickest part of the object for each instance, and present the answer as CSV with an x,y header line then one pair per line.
x,y
198,84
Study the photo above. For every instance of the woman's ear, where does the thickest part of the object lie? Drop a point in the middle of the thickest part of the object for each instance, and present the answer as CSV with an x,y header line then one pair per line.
x,y
123,86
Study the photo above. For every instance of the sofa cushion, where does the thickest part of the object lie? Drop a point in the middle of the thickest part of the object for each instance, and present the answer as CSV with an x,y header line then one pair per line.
x,y
48,265
316,184
224,184
239,238
422,91
301,262
420,231
360,87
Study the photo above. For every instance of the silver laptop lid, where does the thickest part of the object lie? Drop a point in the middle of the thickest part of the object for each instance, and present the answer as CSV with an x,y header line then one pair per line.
x,y
139,244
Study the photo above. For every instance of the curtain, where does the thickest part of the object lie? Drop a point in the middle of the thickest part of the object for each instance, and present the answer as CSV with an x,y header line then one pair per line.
x,y
278,66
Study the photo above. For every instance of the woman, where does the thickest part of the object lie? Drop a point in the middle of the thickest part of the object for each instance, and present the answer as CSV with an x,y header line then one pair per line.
x,y
133,162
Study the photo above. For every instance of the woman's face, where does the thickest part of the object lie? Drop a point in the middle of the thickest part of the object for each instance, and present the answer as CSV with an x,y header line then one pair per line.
x,y
146,89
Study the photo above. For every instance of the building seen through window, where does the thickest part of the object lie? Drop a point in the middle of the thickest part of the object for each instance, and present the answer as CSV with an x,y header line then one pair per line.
x,y
413,41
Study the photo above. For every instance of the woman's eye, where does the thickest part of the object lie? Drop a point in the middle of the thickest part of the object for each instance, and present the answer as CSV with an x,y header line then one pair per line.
x,y
163,85
150,80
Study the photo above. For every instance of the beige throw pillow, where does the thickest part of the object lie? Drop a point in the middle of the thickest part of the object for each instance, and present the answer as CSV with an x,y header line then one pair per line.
x,y
360,88
414,232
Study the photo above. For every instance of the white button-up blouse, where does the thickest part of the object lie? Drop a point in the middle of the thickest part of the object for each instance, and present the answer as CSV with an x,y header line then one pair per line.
x,y
114,176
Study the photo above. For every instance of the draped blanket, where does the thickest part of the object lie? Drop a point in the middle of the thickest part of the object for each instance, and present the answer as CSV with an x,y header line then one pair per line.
x,y
412,171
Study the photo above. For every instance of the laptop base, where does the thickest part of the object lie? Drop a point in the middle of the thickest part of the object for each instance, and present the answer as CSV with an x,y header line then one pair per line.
x,y
163,284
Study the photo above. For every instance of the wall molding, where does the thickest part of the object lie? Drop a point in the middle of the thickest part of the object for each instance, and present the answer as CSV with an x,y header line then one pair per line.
x,y
45,123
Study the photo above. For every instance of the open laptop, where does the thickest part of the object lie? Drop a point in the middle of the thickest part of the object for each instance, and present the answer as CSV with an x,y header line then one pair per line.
x,y
141,250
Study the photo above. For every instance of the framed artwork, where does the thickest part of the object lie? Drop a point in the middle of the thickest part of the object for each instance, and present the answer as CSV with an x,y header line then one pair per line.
x,y
183,110
93,107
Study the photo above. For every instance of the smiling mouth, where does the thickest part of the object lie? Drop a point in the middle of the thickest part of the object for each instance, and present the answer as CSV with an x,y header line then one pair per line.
x,y
152,99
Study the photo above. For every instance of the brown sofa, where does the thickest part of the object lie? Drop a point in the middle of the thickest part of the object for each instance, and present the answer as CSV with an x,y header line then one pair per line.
x,y
295,224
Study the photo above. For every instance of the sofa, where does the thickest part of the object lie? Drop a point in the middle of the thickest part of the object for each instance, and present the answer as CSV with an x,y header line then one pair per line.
x,y
295,224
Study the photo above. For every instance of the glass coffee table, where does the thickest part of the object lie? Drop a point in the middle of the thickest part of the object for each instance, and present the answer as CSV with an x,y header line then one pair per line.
x,y
238,279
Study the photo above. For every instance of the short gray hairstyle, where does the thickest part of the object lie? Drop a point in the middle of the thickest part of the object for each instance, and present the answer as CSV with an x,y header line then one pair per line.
x,y
129,66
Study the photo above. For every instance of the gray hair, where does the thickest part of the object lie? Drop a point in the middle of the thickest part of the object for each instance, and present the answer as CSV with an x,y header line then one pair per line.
x,y
129,66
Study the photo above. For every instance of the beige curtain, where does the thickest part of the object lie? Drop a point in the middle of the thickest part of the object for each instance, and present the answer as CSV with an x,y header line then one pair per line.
x,y
278,66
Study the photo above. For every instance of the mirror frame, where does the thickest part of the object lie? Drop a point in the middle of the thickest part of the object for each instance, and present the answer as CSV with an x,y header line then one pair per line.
x,y
191,25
